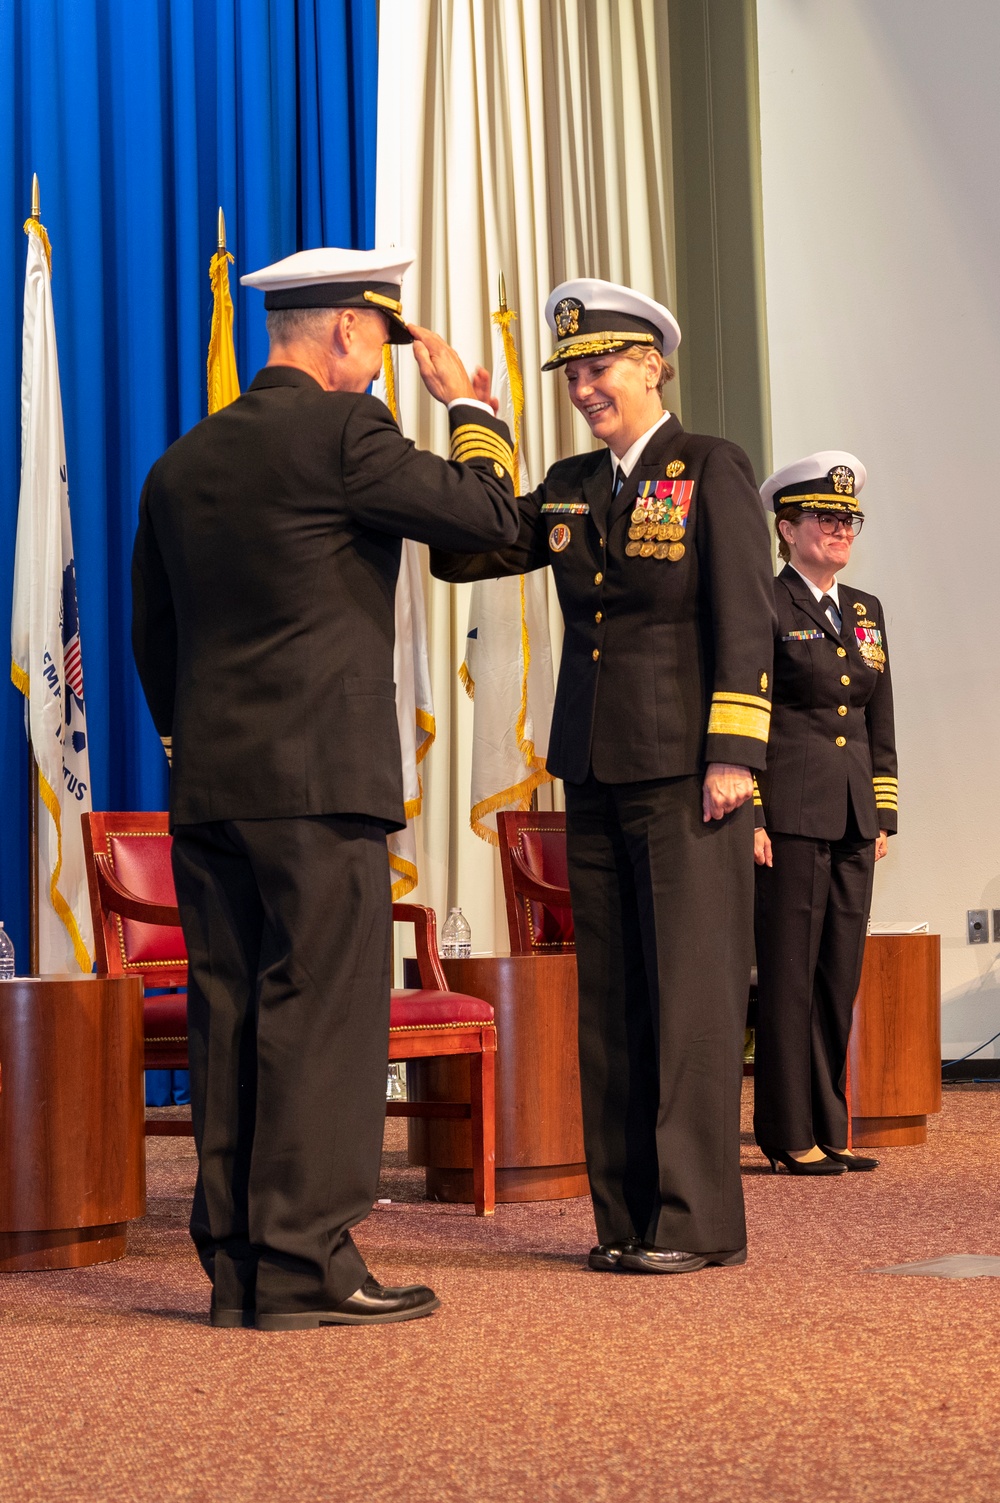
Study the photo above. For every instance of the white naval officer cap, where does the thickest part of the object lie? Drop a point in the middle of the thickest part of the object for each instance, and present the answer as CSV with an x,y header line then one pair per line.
x,y
828,481
590,317
328,277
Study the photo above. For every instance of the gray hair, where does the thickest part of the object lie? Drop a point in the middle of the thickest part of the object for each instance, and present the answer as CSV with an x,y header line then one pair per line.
x,y
292,325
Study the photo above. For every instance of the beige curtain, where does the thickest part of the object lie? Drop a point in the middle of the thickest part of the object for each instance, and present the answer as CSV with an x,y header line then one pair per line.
x,y
529,138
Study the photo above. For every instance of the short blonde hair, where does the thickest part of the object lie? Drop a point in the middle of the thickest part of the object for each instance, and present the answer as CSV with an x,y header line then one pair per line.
x,y
639,352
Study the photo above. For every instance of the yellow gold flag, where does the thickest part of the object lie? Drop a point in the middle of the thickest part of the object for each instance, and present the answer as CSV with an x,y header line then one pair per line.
x,y
223,382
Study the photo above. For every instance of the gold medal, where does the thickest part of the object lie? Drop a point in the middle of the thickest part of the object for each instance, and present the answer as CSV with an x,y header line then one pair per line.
x,y
675,532
662,549
638,515
646,550
675,552
662,534
636,532
674,468
632,550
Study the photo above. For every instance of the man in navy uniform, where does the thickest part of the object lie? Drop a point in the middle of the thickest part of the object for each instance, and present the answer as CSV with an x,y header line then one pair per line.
x,y
661,559
264,576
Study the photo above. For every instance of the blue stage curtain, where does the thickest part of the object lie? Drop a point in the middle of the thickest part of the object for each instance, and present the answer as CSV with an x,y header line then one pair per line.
x,y
141,117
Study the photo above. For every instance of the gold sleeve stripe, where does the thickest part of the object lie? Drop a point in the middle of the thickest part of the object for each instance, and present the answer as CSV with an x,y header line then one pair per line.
x,y
758,802
724,697
886,782
464,452
481,441
752,720
470,441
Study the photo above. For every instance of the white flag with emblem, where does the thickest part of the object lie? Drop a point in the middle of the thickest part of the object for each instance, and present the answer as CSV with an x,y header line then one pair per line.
x,y
507,670
46,664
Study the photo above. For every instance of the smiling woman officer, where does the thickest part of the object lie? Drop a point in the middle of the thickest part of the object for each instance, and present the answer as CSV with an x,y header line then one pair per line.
x,y
825,808
660,553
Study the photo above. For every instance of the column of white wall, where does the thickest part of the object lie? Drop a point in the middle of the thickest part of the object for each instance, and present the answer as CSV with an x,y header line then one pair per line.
x,y
880,132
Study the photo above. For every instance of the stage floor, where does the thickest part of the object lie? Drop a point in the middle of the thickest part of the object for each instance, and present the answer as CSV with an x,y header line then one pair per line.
x,y
799,1376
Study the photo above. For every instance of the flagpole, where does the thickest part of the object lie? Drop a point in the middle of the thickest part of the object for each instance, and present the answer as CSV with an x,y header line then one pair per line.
x,y
33,918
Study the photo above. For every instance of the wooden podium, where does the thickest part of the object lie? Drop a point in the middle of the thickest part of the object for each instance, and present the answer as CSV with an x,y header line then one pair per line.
x,y
539,1126
72,1145
895,1049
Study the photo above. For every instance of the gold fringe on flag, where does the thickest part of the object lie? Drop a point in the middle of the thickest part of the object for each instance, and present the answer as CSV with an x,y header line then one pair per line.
x,y
389,372
503,318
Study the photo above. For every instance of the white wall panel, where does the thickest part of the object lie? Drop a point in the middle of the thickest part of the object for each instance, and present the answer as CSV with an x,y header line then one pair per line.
x,y
880,127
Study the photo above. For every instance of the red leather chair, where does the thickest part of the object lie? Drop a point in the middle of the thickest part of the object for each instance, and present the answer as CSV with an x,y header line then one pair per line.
x,y
137,933
535,884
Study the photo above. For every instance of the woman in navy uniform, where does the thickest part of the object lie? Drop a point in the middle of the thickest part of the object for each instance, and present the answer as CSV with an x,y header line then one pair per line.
x,y
824,810
659,548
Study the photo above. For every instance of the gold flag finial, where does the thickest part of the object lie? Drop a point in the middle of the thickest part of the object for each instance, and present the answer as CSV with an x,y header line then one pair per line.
x,y
503,294
36,198
222,229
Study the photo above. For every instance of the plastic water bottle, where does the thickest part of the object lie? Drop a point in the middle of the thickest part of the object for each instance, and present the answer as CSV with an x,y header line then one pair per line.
x,y
7,955
456,936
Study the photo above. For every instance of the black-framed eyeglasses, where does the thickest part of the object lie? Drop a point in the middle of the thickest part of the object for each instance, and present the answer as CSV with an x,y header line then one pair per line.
x,y
832,521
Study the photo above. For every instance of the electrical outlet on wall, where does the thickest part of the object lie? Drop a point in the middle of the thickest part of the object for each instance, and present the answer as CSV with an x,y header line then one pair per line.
x,y
978,920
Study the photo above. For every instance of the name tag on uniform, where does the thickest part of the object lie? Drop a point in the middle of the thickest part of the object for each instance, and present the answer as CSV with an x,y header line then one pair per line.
x,y
804,636
567,508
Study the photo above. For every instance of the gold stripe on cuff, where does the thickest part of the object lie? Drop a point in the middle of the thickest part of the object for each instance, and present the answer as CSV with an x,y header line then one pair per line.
x,y
739,715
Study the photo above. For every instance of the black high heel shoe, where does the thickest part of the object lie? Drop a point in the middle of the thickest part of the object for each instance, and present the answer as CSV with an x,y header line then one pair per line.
x,y
851,1161
776,1156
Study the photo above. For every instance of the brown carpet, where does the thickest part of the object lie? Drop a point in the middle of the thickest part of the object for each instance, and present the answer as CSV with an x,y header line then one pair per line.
x,y
797,1377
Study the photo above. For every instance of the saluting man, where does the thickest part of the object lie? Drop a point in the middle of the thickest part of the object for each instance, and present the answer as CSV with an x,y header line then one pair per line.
x,y
264,576
660,552
825,808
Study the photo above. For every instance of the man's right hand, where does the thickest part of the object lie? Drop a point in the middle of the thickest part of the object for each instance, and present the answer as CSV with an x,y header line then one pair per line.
x,y
441,370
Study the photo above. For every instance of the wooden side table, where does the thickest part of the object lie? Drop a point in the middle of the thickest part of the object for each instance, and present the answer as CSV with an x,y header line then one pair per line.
x,y
539,1124
895,1050
72,1144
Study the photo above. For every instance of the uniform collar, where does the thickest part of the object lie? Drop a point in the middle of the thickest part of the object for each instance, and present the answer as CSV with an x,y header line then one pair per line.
x,y
283,375
815,591
628,460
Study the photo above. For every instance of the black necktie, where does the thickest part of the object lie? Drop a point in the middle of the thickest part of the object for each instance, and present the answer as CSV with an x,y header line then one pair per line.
x,y
619,481
828,605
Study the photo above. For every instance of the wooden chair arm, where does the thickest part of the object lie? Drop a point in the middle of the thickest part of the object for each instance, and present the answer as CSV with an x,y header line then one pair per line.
x,y
117,899
424,921
531,886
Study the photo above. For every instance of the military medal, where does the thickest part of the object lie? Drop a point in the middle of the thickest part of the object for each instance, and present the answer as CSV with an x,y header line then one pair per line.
x,y
675,552
646,550
674,468
869,640
661,550
632,550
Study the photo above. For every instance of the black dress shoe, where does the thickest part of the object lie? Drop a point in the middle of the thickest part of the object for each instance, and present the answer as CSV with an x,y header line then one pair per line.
x,y
230,1319
369,1306
606,1257
776,1156
644,1259
852,1162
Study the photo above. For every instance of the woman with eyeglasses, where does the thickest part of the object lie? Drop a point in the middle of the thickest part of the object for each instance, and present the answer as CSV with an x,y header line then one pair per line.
x,y
824,810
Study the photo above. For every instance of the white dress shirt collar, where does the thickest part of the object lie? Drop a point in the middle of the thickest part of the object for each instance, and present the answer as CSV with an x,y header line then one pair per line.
x,y
628,460
817,593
